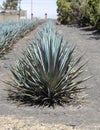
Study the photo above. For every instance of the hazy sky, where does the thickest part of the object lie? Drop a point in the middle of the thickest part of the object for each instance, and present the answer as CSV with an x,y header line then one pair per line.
x,y
40,7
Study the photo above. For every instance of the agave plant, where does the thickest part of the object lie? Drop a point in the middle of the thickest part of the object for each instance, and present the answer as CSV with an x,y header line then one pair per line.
x,y
46,75
12,31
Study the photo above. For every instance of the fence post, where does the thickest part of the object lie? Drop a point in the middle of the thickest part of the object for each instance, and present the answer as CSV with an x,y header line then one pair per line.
x,y
45,15
31,16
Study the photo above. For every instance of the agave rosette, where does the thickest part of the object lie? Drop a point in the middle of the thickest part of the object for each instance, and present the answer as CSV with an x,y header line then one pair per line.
x,y
46,75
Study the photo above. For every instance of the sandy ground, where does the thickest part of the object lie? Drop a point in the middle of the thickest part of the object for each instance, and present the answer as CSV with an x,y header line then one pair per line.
x,y
84,116
12,123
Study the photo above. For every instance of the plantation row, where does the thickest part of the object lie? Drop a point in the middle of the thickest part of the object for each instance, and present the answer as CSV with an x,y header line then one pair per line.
x,y
81,12
10,31
46,74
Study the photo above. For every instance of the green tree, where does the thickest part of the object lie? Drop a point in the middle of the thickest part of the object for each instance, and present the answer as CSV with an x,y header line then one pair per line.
x,y
90,12
10,4
82,12
65,13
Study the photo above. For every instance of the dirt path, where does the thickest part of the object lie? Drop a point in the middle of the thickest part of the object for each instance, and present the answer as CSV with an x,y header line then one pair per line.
x,y
88,44
87,115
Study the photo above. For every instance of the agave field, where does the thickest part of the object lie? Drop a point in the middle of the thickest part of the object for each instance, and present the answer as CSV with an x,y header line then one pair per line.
x,y
47,73
10,31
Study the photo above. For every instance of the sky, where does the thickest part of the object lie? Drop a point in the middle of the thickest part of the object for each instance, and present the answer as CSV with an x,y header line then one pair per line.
x,y
39,8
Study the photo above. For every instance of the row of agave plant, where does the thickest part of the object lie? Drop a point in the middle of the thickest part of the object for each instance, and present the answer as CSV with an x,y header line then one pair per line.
x,y
10,31
47,73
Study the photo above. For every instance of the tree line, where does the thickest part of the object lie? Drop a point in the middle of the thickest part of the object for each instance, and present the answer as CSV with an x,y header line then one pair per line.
x,y
80,12
10,5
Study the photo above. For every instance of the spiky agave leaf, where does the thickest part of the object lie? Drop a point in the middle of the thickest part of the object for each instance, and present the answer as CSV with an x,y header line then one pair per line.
x,y
10,32
46,75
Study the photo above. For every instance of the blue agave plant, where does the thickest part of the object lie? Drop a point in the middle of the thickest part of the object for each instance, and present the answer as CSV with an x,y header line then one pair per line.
x,y
46,75
10,31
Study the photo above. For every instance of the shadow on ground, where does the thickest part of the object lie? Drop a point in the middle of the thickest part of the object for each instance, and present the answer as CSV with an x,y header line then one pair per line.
x,y
93,32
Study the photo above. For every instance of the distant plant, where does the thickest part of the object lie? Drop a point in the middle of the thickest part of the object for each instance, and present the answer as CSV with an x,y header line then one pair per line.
x,y
47,73
10,31
65,13
10,5
81,12
69,11
90,12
